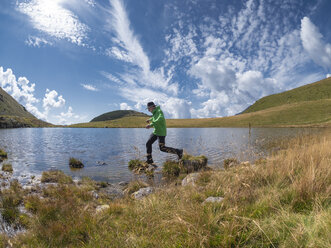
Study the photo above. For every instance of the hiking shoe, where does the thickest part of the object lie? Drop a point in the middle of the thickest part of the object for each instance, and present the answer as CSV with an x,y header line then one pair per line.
x,y
149,161
180,154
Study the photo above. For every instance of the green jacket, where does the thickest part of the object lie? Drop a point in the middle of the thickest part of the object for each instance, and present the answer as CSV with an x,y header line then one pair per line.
x,y
158,122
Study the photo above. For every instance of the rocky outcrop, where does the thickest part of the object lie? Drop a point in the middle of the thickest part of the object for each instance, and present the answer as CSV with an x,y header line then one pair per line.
x,y
7,122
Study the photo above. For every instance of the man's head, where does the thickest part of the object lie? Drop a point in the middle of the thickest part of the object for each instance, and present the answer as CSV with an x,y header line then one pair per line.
x,y
151,106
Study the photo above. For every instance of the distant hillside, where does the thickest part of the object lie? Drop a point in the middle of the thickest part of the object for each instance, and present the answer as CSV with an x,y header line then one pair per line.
x,y
13,114
310,92
10,107
113,115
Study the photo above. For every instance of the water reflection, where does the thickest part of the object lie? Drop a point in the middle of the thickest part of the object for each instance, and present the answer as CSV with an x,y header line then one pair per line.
x,y
106,151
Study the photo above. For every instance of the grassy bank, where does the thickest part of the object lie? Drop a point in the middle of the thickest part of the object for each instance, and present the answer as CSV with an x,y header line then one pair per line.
x,y
283,201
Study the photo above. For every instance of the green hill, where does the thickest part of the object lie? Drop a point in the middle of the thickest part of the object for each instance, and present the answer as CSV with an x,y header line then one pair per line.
x,y
13,114
310,92
10,107
113,115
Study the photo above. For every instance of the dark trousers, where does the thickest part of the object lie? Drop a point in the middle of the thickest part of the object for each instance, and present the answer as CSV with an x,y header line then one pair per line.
x,y
162,146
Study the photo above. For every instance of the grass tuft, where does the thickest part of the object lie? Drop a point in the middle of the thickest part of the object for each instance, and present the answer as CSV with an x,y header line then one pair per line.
x,y
75,163
230,162
191,163
135,186
7,167
55,176
171,168
3,154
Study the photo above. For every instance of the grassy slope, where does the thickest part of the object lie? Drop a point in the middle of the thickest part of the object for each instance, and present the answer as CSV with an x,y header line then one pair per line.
x,y
297,114
10,107
314,113
118,114
283,201
13,114
311,92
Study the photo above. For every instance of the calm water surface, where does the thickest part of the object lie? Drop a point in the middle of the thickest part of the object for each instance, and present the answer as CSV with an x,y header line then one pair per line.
x,y
106,152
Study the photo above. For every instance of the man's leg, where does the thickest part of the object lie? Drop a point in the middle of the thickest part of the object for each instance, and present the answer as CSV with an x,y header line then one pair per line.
x,y
163,148
149,144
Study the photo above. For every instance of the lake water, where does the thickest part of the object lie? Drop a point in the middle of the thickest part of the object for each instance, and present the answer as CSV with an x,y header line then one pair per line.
x,y
106,152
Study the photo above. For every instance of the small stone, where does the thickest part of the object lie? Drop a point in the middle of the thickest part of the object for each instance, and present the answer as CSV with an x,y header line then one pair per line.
x,y
101,163
150,168
95,195
112,192
190,179
30,188
213,199
101,208
143,192
123,184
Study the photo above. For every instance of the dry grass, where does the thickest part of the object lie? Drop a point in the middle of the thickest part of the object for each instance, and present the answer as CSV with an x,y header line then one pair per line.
x,y
281,202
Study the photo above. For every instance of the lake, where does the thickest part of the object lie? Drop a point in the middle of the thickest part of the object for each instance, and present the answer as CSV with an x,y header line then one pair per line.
x,y
106,152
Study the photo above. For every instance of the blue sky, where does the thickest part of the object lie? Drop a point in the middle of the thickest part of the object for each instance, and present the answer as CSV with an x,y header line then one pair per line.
x,y
68,61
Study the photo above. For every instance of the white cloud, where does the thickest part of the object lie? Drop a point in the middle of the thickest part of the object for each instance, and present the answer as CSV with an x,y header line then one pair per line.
x,y
181,45
245,56
213,107
118,53
121,25
52,100
23,92
90,2
90,87
129,49
253,84
313,42
35,111
214,75
51,17
67,118
37,42
111,77
176,108
125,106
328,75
172,107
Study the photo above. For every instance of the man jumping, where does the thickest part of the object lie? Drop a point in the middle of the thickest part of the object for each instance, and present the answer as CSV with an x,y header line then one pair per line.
x,y
160,131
